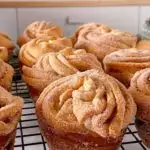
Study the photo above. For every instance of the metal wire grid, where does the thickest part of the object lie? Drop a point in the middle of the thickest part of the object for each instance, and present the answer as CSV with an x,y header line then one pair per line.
x,y
28,134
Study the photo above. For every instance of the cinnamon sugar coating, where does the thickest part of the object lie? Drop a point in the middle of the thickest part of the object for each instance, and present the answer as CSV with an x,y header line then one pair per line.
x,y
90,102
123,64
39,46
140,90
52,66
10,113
101,40
39,29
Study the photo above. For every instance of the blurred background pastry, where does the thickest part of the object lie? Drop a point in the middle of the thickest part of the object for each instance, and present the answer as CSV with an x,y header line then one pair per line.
x,y
39,29
88,110
140,90
101,40
10,114
143,44
123,64
4,54
39,46
6,42
52,66
6,75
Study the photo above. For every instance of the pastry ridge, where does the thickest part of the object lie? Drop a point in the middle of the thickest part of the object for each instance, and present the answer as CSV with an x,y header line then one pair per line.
x,y
39,29
101,40
123,64
90,102
52,66
140,90
39,46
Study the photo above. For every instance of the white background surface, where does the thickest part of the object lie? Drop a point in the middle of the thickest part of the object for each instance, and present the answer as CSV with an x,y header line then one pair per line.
x,y
126,18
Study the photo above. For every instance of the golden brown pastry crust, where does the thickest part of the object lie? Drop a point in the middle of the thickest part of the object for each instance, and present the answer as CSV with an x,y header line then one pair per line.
x,y
39,29
10,113
6,75
143,44
74,141
52,66
101,40
5,41
4,54
123,64
140,90
39,46
90,102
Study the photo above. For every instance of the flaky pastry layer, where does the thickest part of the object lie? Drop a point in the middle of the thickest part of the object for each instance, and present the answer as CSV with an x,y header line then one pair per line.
x,y
123,64
101,40
90,102
140,90
6,75
39,29
52,66
39,46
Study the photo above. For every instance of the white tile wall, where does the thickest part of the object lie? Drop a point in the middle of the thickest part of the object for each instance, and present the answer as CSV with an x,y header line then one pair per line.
x,y
28,15
124,18
127,18
8,22
144,13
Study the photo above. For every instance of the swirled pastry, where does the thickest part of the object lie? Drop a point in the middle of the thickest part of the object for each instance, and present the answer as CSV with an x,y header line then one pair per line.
x,y
124,63
140,90
85,105
101,40
10,113
39,29
4,53
39,46
6,75
52,66
6,42
143,44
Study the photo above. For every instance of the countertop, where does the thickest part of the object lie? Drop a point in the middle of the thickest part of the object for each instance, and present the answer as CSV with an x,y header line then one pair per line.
x,y
70,3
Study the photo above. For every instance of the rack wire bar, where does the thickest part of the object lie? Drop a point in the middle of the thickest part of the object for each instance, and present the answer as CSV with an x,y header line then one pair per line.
x,y
28,134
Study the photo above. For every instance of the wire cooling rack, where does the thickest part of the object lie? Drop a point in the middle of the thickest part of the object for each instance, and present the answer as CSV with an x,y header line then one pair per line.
x,y
28,134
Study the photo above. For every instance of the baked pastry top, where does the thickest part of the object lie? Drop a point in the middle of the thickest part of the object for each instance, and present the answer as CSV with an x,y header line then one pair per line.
x,y
140,90
4,53
39,46
52,66
143,44
101,40
6,75
39,29
10,111
123,64
89,102
6,42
